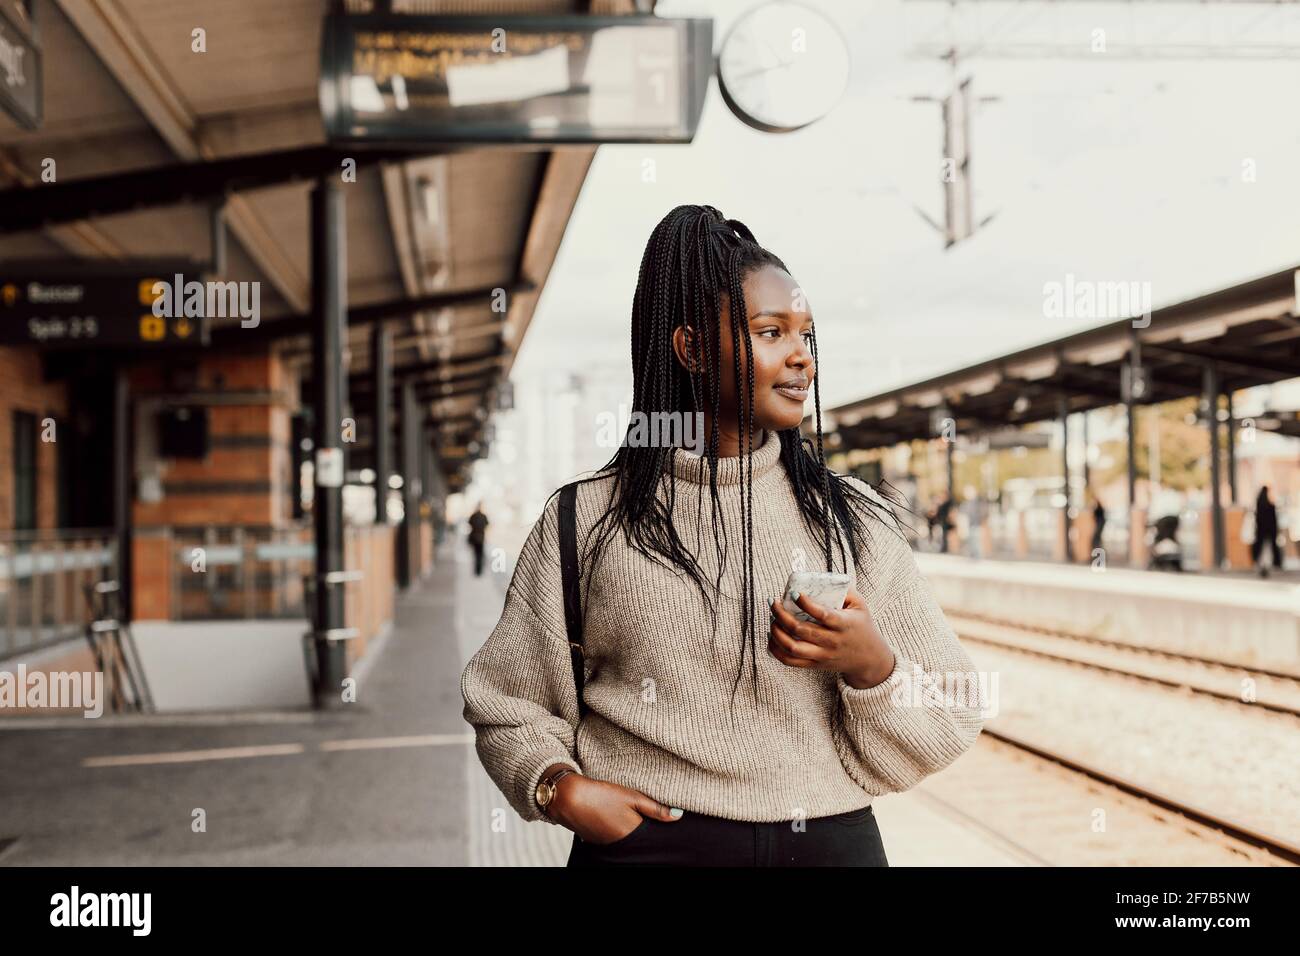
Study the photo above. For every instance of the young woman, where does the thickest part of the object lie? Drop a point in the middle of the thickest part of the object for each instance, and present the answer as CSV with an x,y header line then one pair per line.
x,y
677,760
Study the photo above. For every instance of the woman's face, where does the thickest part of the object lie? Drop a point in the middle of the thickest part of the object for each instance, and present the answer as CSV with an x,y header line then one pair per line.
x,y
780,333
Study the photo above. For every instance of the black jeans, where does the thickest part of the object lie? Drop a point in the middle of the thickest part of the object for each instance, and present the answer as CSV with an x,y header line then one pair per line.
x,y
846,839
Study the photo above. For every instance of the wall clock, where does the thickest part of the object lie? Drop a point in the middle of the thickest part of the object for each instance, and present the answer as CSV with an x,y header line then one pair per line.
x,y
781,66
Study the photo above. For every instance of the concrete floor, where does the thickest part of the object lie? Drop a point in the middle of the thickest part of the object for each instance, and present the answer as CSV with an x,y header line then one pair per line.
x,y
391,780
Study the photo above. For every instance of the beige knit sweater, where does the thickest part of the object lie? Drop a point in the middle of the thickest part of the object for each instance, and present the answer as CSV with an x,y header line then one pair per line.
x,y
659,687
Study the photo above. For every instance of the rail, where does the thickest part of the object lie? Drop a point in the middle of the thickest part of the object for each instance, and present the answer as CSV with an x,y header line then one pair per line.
x,y
43,579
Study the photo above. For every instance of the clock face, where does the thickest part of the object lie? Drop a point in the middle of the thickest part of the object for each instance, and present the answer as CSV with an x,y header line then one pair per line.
x,y
782,66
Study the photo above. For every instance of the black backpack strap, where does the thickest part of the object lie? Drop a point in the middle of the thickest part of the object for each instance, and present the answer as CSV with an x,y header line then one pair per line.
x,y
569,575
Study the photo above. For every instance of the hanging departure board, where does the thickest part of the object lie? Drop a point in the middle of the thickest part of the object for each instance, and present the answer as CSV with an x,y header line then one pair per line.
x,y
393,78
88,305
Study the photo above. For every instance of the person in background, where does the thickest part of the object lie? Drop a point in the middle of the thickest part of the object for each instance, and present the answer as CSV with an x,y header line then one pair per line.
x,y
1265,533
478,523
1098,524
943,521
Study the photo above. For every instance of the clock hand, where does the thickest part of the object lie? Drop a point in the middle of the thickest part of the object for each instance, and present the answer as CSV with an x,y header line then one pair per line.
x,y
766,69
782,62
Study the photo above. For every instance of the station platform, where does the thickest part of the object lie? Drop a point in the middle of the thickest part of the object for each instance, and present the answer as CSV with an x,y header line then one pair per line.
x,y
1238,620
393,779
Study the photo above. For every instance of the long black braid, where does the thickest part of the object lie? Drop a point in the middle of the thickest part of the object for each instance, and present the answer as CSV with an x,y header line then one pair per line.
x,y
695,254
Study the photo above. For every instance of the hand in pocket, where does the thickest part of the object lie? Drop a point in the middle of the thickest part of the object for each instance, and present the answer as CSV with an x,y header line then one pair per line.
x,y
603,813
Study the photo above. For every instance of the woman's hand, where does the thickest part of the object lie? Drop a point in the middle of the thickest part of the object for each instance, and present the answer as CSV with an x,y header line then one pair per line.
x,y
602,812
845,640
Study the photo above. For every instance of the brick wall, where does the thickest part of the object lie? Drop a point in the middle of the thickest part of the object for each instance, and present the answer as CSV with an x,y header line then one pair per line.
x,y
243,482
245,479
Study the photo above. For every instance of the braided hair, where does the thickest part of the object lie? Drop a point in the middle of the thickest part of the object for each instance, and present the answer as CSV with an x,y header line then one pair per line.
x,y
695,254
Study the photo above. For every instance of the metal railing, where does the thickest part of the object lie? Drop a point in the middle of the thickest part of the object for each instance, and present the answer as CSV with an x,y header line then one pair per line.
x,y
114,649
1035,534
238,573
217,573
43,579
226,573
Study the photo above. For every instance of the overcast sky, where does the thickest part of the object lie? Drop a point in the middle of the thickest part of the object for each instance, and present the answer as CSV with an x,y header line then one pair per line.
x,y
1111,169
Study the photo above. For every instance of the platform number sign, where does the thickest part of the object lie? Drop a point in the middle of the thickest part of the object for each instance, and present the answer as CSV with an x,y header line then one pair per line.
x,y
100,306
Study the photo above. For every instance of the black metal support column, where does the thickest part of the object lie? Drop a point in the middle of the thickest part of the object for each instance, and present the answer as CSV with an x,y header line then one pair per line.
x,y
430,486
1063,412
1212,422
122,489
381,360
1232,451
408,551
948,444
1087,472
1130,409
329,317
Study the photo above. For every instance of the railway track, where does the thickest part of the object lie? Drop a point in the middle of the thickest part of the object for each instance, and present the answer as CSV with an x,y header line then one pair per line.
x,y
1049,809
1274,844
1269,690
1031,795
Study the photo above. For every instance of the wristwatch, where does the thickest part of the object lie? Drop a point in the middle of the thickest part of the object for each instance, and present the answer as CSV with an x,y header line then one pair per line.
x,y
546,787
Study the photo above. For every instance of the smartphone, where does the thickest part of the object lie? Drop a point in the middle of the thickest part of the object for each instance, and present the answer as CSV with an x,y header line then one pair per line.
x,y
827,588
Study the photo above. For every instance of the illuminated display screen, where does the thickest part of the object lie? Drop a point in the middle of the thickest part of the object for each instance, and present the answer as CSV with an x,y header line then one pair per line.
x,y
394,78
93,304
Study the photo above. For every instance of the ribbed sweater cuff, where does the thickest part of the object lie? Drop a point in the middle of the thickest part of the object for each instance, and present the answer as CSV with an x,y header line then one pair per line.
x,y
874,703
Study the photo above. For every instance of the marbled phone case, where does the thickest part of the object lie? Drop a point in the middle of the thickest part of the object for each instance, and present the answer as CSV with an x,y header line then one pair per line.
x,y
827,588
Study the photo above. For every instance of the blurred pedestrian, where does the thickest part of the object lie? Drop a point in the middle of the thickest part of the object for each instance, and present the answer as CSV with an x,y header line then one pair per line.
x,y
1166,554
1098,524
478,523
943,521
1265,533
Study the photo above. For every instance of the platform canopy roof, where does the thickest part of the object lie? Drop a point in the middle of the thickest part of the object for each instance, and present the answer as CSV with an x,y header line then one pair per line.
x,y
146,134
1249,334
